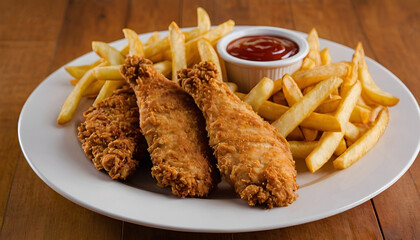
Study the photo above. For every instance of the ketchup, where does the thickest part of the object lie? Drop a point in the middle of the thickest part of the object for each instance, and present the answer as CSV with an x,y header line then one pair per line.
x,y
262,48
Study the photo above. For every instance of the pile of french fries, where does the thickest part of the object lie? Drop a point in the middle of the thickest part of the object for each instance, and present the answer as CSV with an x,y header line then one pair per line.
x,y
327,111
169,54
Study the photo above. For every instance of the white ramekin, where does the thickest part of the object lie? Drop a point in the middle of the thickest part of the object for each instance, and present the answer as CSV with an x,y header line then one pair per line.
x,y
245,73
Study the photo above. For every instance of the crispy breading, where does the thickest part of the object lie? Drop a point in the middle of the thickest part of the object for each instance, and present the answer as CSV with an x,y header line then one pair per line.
x,y
252,156
175,131
110,134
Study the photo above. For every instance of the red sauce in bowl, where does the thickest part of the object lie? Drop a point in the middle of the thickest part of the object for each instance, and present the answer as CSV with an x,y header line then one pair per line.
x,y
262,48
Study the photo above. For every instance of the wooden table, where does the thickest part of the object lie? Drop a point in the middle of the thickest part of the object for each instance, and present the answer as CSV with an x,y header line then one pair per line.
x,y
37,37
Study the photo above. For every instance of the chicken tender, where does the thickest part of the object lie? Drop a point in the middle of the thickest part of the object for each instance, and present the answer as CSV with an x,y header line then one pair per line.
x,y
110,134
252,156
175,131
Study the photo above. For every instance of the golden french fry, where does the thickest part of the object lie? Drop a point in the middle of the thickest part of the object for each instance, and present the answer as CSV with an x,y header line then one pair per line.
x,y
329,140
373,92
314,75
259,93
315,56
134,43
203,20
351,132
73,99
313,40
302,109
279,98
307,89
177,44
212,36
340,148
223,68
125,50
329,105
293,94
291,90
74,81
323,122
307,63
325,56
296,135
366,142
114,57
278,84
207,53
78,71
232,86
360,115
152,39
164,67
301,149
110,54
108,73
93,89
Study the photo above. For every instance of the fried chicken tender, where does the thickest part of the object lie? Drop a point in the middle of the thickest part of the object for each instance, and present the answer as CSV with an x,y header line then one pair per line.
x,y
175,131
252,156
110,134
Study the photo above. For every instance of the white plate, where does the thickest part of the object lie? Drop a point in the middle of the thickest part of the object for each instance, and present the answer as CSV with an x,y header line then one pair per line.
x,y
55,154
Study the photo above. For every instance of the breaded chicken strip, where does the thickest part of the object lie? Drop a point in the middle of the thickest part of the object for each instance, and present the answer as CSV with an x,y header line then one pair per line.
x,y
110,134
175,131
252,156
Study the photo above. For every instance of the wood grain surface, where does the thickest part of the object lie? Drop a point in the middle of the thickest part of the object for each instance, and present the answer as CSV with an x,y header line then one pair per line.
x,y
37,37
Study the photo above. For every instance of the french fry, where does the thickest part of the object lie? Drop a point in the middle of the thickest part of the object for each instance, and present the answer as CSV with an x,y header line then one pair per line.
x,y
212,36
315,56
293,94
134,43
125,50
110,54
313,39
207,53
329,105
203,20
93,89
152,39
329,141
340,148
223,68
73,99
279,98
259,93
325,57
323,122
301,149
313,42
307,63
296,135
314,75
351,132
78,71
302,109
74,81
360,115
373,92
114,57
291,90
366,142
164,67
108,73
278,84
232,86
177,44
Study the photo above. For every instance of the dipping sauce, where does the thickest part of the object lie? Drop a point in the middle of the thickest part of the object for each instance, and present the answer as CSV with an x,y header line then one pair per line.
x,y
262,48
